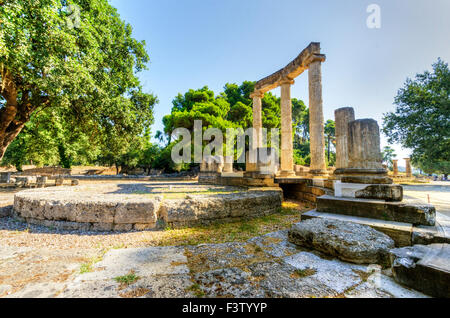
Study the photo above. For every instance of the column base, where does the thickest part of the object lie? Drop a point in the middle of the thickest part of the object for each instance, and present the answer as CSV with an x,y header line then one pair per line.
x,y
363,175
319,172
287,173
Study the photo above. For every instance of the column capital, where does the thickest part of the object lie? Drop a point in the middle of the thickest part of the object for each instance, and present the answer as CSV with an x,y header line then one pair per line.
x,y
315,58
287,80
257,94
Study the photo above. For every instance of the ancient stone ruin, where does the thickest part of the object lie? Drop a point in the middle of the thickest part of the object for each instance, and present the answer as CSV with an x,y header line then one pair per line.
x,y
359,214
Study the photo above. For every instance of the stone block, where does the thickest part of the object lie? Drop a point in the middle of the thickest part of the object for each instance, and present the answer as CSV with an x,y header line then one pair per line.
x,y
427,235
59,181
5,177
423,268
144,227
348,241
102,227
123,227
400,232
139,212
367,179
381,192
41,181
23,181
417,214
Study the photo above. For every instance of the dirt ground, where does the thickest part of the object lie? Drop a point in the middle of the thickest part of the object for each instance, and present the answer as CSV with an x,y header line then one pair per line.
x,y
38,262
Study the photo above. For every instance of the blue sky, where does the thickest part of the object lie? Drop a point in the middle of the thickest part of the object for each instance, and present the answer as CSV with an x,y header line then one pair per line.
x,y
193,43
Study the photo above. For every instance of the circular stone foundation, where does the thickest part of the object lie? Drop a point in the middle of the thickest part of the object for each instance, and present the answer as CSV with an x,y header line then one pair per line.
x,y
141,206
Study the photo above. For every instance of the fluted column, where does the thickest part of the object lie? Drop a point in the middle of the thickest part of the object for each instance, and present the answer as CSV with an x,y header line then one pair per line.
x,y
257,118
343,116
395,167
316,121
287,153
408,167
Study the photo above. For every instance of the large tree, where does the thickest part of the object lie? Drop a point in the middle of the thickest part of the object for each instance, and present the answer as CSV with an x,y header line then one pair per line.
x,y
81,61
421,121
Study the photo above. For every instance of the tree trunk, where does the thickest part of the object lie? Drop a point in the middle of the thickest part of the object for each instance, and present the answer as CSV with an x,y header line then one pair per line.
x,y
14,115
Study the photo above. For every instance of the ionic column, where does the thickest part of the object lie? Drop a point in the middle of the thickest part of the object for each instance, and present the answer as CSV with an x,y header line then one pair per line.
x,y
287,153
316,122
408,167
395,167
257,118
343,116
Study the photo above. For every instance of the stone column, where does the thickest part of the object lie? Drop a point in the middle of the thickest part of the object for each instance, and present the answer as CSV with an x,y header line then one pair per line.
x,y
395,167
408,167
5,177
365,163
316,122
364,145
41,181
287,153
59,181
343,116
228,164
257,118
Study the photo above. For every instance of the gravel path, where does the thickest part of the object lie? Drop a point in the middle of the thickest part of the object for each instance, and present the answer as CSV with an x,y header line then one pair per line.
x,y
36,261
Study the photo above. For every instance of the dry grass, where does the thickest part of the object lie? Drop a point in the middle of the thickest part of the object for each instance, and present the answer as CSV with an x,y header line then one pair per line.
x,y
239,231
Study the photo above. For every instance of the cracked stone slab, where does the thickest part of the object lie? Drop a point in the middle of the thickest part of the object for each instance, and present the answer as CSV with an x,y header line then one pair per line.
x,y
279,280
382,286
334,274
203,258
142,261
228,282
7,252
275,244
158,286
39,290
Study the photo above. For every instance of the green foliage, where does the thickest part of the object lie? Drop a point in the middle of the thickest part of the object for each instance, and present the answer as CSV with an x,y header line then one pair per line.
x,y
435,166
388,155
330,141
421,121
81,79
128,279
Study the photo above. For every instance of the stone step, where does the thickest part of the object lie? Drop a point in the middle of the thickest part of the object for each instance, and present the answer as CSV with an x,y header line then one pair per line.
x,y
423,268
401,233
416,214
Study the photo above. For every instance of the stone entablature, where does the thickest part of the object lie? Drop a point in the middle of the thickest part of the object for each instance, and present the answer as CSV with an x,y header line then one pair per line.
x,y
292,70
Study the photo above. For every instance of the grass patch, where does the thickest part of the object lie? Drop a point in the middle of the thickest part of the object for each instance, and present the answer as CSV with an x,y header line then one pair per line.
x,y
128,279
237,231
196,289
88,267
302,273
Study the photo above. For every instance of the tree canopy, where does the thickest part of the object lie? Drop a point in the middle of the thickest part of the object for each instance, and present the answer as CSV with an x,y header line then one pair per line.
x,y
75,84
421,120
232,108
